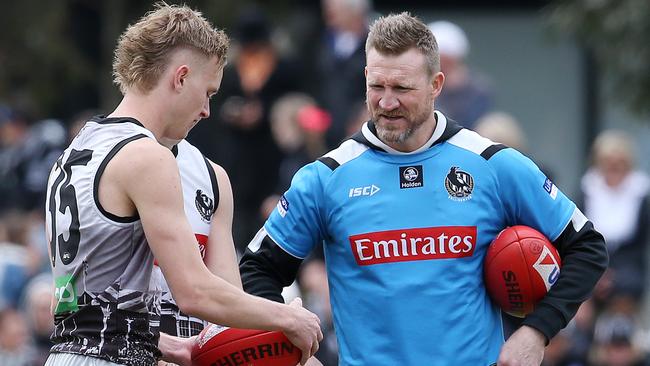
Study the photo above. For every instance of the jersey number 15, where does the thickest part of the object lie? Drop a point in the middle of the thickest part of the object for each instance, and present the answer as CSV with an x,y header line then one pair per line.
x,y
67,194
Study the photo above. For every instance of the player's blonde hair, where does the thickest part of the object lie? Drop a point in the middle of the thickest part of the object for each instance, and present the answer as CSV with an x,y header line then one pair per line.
x,y
144,49
395,34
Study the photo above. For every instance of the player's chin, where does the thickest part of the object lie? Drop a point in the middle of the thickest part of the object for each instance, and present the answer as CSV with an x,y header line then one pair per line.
x,y
183,134
190,127
178,137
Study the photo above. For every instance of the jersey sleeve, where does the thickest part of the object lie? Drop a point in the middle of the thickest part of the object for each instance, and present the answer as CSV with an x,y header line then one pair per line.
x,y
531,199
528,196
296,223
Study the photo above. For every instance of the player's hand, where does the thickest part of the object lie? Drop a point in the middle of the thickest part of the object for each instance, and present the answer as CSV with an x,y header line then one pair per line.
x,y
313,362
305,332
179,353
525,347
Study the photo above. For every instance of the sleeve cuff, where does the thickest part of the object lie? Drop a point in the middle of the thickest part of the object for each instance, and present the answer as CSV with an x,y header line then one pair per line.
x,y
547,320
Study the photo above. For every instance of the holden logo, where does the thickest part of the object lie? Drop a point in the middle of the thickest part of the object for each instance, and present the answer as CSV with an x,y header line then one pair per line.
x,y
411,174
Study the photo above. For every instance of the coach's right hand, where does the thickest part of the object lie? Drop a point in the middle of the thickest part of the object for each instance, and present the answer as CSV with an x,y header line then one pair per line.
x,y
304,332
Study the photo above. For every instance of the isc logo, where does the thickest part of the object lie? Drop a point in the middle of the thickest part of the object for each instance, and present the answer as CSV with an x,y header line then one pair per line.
x,y
363,191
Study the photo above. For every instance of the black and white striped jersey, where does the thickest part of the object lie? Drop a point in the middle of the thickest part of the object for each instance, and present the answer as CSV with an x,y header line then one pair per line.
x,y
201,198
101,262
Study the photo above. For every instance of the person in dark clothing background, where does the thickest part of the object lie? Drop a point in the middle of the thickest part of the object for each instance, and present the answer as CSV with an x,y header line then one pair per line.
x,y
341,62
238,137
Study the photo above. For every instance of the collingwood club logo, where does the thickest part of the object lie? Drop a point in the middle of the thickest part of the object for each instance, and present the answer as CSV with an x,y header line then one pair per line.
x,y
459,184
411,176
205,205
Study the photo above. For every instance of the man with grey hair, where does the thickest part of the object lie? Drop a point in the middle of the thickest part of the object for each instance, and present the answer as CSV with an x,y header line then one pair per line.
x,y
405,211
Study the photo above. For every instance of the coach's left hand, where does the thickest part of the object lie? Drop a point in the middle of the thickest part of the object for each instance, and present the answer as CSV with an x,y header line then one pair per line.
x,y
525,347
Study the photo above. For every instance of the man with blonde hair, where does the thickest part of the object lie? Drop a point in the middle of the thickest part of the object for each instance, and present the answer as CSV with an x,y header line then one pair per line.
x,y
115,200
405,211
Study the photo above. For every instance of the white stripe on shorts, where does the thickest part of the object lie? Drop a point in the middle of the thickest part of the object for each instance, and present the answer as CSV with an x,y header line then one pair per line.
x,y
70,359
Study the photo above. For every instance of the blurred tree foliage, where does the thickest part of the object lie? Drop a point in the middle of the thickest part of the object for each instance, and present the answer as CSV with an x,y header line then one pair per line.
x,y
38,56
618,34
55,56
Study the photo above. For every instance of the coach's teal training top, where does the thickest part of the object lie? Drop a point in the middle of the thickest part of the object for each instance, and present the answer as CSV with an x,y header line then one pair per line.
x,y
404,238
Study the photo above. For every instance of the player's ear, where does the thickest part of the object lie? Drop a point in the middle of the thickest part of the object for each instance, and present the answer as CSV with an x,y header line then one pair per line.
x,y
180,76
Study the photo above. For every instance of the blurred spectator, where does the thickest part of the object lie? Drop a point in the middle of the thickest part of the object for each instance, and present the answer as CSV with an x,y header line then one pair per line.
x,y
504,128
37,305
15,348
617,342
359,116
581,330
557,353
298,128
572,345
615,198
13,130
466,95
315,289
238,135
26,156
18,262
79,120
341,62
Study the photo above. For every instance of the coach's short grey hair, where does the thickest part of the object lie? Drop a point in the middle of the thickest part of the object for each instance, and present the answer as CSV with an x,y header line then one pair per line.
x,y
395,34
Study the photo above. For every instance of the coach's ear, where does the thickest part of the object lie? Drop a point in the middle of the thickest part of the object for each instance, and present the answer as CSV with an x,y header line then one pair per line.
x,y
437,81
180,75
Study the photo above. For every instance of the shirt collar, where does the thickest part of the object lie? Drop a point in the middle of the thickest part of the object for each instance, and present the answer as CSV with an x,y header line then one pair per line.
x,y
445,128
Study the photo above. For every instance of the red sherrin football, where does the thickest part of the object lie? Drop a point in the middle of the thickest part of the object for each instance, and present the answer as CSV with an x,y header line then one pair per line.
x,y
520,267
218,345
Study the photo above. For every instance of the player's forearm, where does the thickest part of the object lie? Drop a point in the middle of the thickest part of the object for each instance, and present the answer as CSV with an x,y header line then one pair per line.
x,y
219,302
222,261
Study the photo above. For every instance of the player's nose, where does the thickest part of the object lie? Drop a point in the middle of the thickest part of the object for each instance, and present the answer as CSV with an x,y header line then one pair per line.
x,y
205,111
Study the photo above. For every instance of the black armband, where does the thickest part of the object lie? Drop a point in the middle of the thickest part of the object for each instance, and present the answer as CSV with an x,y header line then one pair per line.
x,y
584,260
267,270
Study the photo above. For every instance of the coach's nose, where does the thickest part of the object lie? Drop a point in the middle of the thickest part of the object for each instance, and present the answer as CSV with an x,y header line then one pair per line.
x,y
388,101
